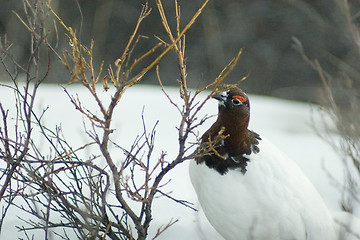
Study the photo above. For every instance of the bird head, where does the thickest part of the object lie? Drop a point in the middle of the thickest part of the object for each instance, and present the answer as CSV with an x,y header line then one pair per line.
x,y
232,122
234,105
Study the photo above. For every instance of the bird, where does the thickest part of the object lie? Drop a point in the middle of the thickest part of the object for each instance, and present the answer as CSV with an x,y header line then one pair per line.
x,y
248,188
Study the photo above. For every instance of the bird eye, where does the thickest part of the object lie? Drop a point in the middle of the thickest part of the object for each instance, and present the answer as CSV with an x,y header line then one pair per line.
x,y
236,101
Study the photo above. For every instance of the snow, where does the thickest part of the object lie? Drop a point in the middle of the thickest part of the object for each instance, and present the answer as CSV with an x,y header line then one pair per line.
x,y
287,124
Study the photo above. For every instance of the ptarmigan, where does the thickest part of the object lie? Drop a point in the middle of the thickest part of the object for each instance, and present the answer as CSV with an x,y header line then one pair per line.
x,y
249,189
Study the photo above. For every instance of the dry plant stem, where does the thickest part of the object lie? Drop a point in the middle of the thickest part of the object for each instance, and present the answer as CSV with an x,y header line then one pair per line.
x,y
345,116
23,142
37,39
160,231
144,13
121,82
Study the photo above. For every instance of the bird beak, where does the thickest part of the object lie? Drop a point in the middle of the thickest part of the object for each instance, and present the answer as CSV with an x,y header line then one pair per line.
x,y
221,97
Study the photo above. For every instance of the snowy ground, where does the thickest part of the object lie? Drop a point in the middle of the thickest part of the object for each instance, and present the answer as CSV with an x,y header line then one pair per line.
x,y
287,124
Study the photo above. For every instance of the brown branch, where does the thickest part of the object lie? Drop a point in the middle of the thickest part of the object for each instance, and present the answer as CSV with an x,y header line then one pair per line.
x,y
144,13
160,231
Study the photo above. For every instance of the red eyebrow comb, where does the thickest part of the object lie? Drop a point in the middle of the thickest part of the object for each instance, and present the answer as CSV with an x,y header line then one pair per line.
x,y
240,98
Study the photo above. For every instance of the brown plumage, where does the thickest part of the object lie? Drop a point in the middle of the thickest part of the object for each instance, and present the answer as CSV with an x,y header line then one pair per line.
x,y
236,139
